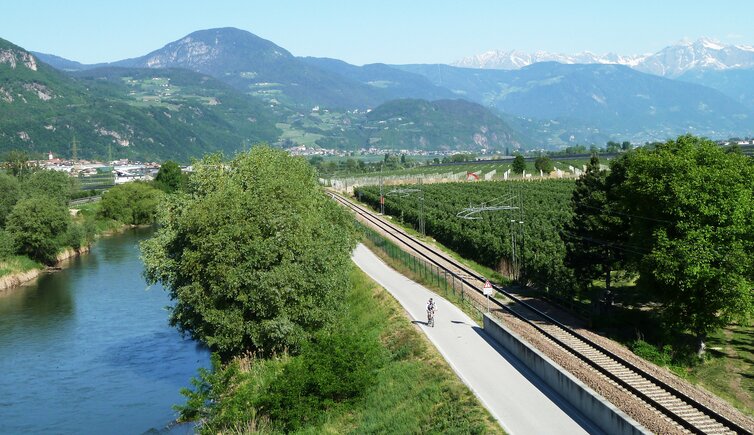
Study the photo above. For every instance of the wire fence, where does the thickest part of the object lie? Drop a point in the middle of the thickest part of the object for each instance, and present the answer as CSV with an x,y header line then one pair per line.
x,y
426,272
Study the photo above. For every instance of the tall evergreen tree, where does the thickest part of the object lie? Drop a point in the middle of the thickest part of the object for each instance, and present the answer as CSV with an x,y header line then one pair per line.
x,y
519,164
596,235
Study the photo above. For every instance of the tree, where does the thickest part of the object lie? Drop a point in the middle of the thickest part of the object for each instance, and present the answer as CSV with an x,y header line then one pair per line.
x,y
17,163
596,235
519,164
695,224
255,261
37,225
53,184
544,164
10,191
169,178
612,147
734,148
462,157
132,203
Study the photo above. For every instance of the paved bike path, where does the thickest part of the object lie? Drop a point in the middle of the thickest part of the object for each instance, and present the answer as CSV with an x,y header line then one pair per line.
x,y
515,396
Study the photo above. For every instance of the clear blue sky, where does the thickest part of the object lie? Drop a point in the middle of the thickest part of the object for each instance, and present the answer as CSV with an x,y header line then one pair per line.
x,y
389,31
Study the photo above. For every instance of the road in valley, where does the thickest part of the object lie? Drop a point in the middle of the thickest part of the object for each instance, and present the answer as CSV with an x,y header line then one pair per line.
x,y
515,396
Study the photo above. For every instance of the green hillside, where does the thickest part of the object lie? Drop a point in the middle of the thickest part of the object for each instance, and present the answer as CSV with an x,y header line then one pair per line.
x,y
152,115
429,125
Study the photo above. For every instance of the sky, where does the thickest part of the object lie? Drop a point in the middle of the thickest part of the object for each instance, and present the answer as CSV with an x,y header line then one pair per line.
x,y
387,31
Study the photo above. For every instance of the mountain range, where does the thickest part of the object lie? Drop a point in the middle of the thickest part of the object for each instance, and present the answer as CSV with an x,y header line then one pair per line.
x,y
217,89
148,114
671,61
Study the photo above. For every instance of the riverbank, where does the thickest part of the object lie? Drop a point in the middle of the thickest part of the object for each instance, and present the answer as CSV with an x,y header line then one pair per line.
x,y
16,279
25,275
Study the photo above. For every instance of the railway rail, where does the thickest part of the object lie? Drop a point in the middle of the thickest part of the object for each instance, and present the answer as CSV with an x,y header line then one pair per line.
x,y
687,413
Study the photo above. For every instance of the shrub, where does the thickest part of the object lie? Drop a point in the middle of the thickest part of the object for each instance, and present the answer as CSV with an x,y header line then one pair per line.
x,y
335,368
9,194
76,236
660,356
7,247
38,226
131,203
53,184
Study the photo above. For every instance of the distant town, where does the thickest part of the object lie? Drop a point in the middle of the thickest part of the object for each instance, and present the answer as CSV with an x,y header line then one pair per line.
x,y
119,171
124,170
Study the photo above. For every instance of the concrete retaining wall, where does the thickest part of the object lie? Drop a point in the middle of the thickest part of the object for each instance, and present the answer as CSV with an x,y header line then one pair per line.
x,y
594,407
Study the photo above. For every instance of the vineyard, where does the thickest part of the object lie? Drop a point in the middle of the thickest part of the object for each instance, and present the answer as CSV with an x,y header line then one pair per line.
x,y
492,238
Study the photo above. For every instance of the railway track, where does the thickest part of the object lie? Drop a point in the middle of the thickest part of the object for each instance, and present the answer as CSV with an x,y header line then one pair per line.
x,y
685,412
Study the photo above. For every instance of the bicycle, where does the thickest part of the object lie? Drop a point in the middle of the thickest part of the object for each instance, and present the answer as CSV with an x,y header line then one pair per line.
x,y
431,318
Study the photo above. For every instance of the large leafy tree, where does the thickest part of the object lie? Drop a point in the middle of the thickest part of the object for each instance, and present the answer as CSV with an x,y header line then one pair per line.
x,y
695,222
544,164
53,184
37,226
596,235
169,178
254,254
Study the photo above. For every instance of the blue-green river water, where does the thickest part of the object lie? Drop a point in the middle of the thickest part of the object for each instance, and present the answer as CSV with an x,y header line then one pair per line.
x,y
88,349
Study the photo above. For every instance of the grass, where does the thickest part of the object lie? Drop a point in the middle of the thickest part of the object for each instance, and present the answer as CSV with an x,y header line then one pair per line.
x,y
485,271
17,264
728,370
87,213
417,272
298,136
415,391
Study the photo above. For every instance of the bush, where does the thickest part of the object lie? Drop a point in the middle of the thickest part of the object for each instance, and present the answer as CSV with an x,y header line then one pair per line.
x,y
131,203
76,236
38,226
335,368
85,193
7,247
660,356
52,184
9,194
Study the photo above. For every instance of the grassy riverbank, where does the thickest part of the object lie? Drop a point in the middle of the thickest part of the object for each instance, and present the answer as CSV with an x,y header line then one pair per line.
x,y
17,264
87,217
39,226
409,387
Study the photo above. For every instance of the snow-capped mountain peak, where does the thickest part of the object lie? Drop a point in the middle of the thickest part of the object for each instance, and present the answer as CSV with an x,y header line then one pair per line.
x,y
671,61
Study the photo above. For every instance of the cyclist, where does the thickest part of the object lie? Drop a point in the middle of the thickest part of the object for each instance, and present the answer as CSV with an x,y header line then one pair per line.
x,y
431,312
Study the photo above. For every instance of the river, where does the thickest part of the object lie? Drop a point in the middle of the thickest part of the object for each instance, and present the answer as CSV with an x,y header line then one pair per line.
x,y
88,349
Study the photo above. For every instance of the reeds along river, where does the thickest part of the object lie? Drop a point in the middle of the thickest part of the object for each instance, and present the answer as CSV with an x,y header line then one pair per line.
x,y
88,349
